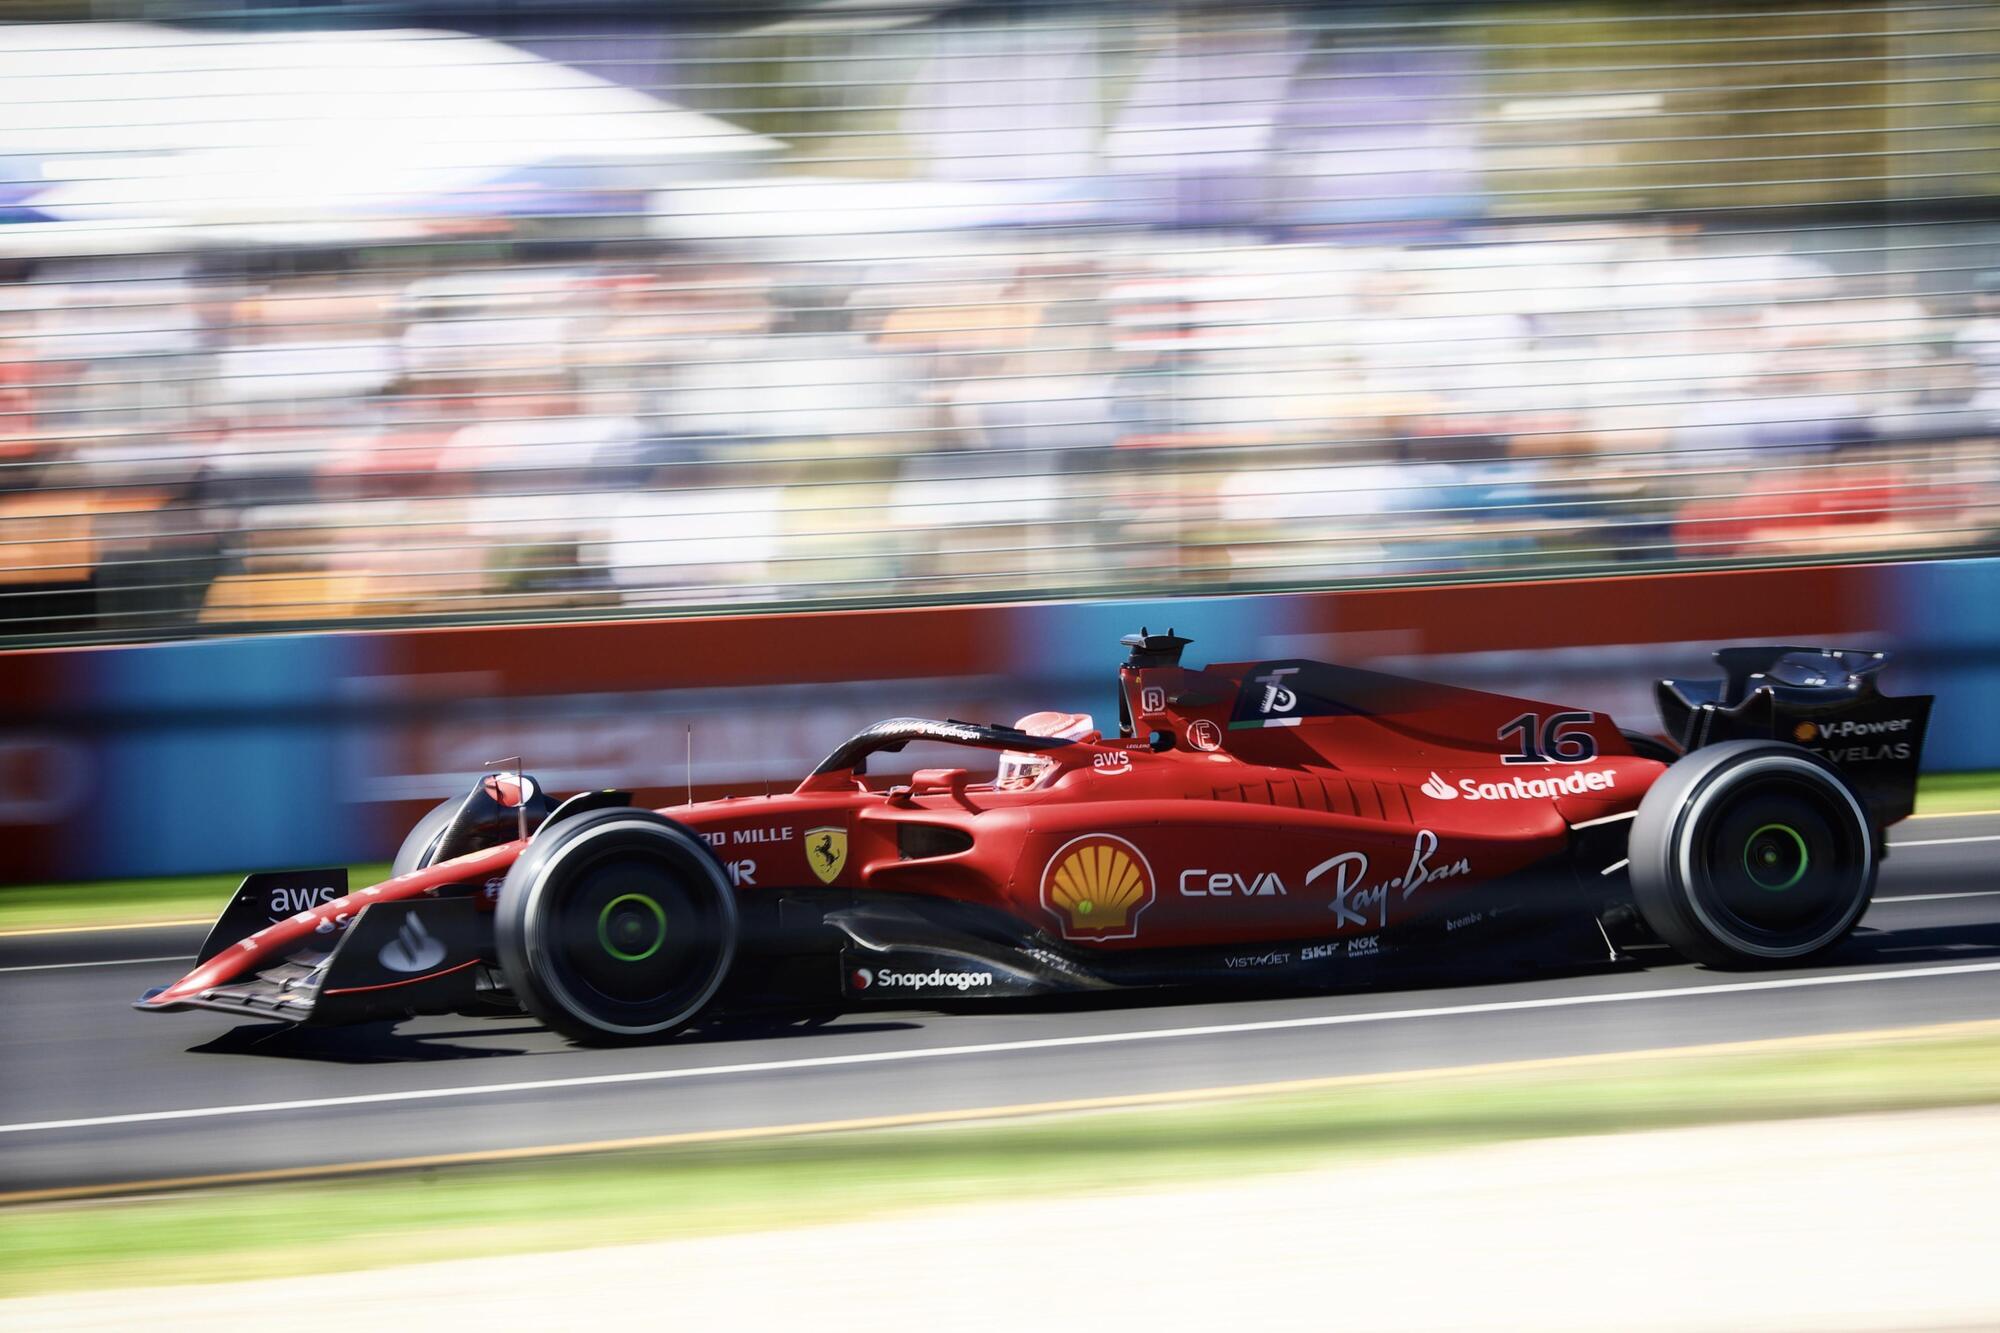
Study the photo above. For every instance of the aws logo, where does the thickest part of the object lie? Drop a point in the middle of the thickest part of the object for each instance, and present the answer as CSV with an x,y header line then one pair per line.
x,y
1096,886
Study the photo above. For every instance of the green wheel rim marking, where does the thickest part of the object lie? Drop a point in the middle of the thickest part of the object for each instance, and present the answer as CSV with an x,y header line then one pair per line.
x,y
1805,858
659,928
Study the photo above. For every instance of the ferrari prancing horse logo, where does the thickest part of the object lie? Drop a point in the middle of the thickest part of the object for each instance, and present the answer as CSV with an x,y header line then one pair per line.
x,y
826,852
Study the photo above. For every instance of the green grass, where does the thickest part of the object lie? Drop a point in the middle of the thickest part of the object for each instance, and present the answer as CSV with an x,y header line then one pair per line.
x,y
128,901
1956,793
647,1194
200,897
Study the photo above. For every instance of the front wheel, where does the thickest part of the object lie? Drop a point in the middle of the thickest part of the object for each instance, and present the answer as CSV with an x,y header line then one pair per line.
x,y
616,927
419,847
1752,853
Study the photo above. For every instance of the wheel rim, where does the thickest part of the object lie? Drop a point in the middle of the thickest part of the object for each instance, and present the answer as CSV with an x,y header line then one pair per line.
x,y
1780,861
1776,857
632,927
631,936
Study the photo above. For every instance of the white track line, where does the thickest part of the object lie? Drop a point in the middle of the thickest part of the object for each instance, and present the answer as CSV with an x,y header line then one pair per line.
x,y
1933,897
108,962
1947,842
999,1047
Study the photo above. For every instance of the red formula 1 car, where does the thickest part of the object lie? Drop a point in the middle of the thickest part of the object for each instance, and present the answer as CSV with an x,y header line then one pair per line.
x,y
1289,822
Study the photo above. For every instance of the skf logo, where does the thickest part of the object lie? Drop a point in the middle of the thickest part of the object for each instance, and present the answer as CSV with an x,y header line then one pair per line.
x,y
826,851
1096,886
863,978
1438,789
1804,732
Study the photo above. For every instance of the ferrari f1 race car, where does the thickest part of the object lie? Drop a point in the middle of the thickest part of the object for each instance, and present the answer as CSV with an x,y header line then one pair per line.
x,y
1288,823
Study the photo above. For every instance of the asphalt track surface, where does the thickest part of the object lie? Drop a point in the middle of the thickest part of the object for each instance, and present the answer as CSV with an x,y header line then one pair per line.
x,y
95,1094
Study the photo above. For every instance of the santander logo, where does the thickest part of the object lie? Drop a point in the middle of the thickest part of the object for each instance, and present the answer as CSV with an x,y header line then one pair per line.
x,y
1576,782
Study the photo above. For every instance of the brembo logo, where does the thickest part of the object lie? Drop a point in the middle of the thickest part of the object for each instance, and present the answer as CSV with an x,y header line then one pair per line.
x,y
1520,789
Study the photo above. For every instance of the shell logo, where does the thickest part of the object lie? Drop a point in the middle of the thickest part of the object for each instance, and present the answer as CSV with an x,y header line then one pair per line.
x,y
1804,732
1096,886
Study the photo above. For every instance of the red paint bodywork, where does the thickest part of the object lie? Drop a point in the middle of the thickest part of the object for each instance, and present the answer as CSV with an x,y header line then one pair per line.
x,y
1318,827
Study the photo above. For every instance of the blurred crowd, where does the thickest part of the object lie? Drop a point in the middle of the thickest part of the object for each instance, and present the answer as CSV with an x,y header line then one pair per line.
x,y
1043,415
1031,373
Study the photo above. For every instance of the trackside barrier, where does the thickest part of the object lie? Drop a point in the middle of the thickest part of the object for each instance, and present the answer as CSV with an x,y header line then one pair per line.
x,y
316,749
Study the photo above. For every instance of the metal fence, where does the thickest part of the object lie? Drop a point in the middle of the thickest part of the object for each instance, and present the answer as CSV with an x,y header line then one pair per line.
x,y
833,305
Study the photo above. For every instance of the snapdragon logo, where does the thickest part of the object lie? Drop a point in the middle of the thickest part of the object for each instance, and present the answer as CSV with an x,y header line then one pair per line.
x,y
1577,782
938,979
1437,789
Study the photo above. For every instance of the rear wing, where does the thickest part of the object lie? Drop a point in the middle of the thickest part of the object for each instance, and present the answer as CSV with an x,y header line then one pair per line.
x,y
1825,699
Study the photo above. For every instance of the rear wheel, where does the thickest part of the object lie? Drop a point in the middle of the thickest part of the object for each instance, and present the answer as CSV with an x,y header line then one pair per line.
x,y
1751,852
615,927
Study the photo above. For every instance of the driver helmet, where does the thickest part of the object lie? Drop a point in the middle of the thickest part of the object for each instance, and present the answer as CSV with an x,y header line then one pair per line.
x,y
1022,768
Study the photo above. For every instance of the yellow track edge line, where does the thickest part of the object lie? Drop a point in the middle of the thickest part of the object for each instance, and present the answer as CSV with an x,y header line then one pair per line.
x,y
1953,814
19,931
913,1119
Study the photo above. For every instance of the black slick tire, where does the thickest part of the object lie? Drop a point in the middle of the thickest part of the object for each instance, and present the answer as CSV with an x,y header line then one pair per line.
x,y
1752,854
421,841
616,927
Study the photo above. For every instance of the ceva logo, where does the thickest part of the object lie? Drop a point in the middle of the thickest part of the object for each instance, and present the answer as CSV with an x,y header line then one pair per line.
x,y
1437,789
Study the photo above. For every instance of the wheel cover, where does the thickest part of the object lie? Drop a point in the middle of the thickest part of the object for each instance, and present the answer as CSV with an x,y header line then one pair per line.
x,y
625,932
632,927
1777,861
1776,857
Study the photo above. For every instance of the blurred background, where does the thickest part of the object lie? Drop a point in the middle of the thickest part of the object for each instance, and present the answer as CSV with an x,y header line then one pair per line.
x,y
369,314
655,392
336,317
